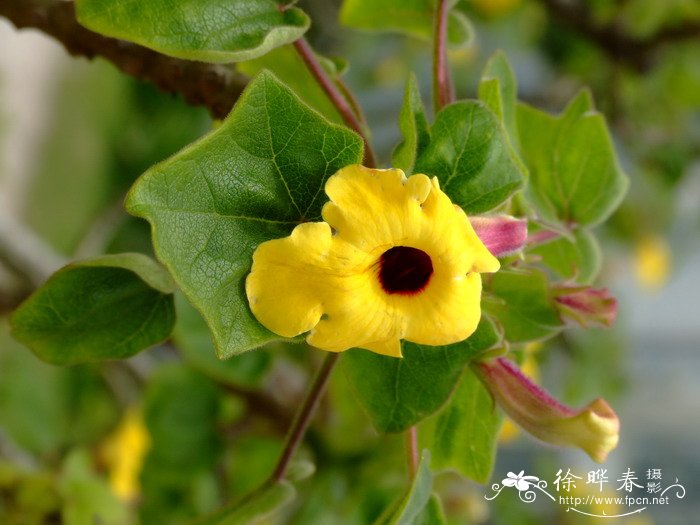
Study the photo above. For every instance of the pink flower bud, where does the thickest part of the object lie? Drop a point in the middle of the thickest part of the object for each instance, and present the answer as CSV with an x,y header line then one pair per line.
x,y
594,428
586,306
502,234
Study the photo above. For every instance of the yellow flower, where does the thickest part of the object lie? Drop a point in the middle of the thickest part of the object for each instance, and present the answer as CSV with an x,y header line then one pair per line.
x,y
394,259
652,262
124,452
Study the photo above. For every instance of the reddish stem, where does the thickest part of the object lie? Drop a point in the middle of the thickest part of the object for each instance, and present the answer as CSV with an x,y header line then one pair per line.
x,y
304,415
412,451
443,91
335,96
542,236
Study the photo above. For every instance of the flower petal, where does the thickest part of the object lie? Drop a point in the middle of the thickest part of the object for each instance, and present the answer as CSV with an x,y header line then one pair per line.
x,y
291,276
325,277
594,428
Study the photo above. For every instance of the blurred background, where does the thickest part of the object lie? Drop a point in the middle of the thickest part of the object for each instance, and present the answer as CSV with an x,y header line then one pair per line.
x,y
173,433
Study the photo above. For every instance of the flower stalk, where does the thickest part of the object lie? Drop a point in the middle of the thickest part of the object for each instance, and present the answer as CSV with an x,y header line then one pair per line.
x,y
443,91
335,95
304,415
412,451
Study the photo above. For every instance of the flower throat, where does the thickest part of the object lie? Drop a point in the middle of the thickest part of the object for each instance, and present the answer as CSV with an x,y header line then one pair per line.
x,y
404,270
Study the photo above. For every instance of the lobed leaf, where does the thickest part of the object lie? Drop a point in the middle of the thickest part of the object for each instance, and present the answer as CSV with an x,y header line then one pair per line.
x,y
110,307
216,31
253,179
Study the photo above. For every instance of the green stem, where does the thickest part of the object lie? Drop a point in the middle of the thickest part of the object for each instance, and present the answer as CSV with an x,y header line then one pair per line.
x,y
334,94
443,92
304,415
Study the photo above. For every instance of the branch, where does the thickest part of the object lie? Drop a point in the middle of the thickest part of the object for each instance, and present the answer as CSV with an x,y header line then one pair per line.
x,y
213,86
304,415
26,253
620,47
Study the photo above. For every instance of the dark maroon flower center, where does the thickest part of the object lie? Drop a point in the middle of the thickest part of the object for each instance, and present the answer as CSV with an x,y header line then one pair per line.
x,y
404,270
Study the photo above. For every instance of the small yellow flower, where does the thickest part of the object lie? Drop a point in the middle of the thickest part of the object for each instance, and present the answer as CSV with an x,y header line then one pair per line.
x,y
652,262
124,453
394,259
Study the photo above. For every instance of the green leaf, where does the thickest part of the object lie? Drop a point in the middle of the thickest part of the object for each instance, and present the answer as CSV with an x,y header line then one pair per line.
x,y
410,506
110,307
73,406
463,435
36,419
193,340
256,508
579,259
207,30
471,157
575,176
414,128
522,303
398,393
498,89
180,412
432,514
411,17
88,498
288,66
253,179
